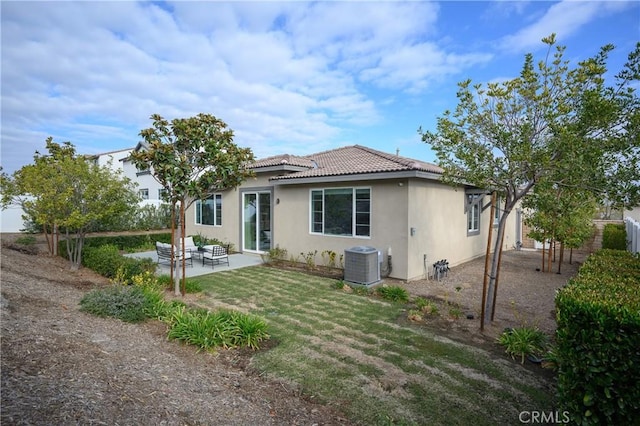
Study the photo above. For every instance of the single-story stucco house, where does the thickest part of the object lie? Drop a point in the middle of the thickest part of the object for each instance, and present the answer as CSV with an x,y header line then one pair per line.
x,y
347,197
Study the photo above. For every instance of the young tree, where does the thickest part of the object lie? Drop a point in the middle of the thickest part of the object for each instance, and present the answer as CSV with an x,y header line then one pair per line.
x,y
66,193
509,136
191,158
559,213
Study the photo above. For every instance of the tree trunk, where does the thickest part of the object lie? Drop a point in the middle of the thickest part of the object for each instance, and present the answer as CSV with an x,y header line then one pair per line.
x,y
551,242
173,232
183,250
543,255
561,258
178,239
494,259
486,263
56,239
493,304
49,240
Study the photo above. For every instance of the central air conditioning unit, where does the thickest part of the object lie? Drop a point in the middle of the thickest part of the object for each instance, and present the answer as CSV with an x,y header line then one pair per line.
x,y
362,265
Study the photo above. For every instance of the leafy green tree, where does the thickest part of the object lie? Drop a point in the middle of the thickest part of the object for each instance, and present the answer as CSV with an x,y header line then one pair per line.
x,y
191,158
559,213
66,193
507,137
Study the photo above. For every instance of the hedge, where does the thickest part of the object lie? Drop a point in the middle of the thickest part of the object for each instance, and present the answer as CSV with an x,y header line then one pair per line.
x,y
108,262
598,339
614,236
122,242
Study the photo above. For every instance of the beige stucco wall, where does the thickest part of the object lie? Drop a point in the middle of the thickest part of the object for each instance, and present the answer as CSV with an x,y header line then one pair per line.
x,y
231,214
388,221
437,213
435,210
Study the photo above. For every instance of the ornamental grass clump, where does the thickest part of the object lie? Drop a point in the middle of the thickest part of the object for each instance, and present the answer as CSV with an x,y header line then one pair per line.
x,y
393,293
223,328
523,341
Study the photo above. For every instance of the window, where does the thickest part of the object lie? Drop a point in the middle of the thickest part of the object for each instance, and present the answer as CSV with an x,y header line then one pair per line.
x,y
473,213
209,210
144,193
341,211
161,194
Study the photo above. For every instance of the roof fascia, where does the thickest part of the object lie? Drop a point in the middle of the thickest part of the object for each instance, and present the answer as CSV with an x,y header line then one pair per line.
x,y
280,168
357,177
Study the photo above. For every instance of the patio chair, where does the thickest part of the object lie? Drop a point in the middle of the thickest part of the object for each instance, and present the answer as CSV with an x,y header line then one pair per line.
x,y
189,244
163,251
215,254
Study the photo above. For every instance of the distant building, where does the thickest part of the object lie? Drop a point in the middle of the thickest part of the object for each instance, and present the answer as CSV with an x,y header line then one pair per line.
x,y
148,188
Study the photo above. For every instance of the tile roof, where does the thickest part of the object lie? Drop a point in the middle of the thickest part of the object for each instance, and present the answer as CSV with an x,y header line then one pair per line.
x,y
349,160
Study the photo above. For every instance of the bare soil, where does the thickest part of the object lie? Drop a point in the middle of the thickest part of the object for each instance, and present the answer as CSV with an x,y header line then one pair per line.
x,y
63,366
525,295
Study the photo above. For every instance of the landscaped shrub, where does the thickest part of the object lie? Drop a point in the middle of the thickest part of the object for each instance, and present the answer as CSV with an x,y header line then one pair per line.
x,y
393,293
127,303
223,328
614,236
275,255
523,341
107,261
598,351
125,243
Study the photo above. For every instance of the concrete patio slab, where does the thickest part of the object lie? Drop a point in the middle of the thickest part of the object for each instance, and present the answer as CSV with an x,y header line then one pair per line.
x,y
238,260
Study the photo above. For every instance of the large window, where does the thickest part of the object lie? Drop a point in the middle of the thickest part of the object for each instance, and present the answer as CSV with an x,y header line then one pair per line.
x,y
209,211
341,211
473,213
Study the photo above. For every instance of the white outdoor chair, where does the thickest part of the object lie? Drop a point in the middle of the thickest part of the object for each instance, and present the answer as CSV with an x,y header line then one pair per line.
x,y
215,254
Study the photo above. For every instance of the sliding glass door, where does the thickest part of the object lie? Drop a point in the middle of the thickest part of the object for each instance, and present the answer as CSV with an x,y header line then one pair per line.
x,y
256,221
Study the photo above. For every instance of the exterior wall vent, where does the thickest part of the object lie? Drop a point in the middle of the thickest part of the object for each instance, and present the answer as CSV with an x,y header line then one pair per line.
x,y
362,265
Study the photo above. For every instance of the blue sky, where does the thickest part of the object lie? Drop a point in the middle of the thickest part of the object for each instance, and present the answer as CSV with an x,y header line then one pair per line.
x,y
287,77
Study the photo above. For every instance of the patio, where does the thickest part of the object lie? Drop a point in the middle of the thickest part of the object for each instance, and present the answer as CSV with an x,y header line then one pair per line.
x,y
238,260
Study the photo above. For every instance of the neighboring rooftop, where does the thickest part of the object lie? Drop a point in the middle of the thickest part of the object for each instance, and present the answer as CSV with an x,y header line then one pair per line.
x,y
349,160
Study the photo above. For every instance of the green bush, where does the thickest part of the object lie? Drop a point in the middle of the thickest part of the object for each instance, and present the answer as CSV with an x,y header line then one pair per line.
x,y
27,240
614,236
598,353
223,328
393,293
126,303
125,243
107,261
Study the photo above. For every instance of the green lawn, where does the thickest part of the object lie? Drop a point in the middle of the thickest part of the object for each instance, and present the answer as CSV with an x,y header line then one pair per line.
x,y
352,352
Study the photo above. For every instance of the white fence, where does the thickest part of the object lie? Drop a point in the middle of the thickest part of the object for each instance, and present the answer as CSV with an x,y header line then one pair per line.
x,y
633,235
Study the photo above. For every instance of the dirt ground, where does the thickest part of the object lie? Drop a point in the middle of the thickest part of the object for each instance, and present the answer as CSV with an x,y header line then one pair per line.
x,y
525,296
63,366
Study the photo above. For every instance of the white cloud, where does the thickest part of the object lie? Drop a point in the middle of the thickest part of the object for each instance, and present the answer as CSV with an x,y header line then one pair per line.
x,y
564,19
286,76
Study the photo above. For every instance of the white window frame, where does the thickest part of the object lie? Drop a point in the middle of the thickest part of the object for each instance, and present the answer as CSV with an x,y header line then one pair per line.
x,y
144,193
354,213
474,213
217,211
